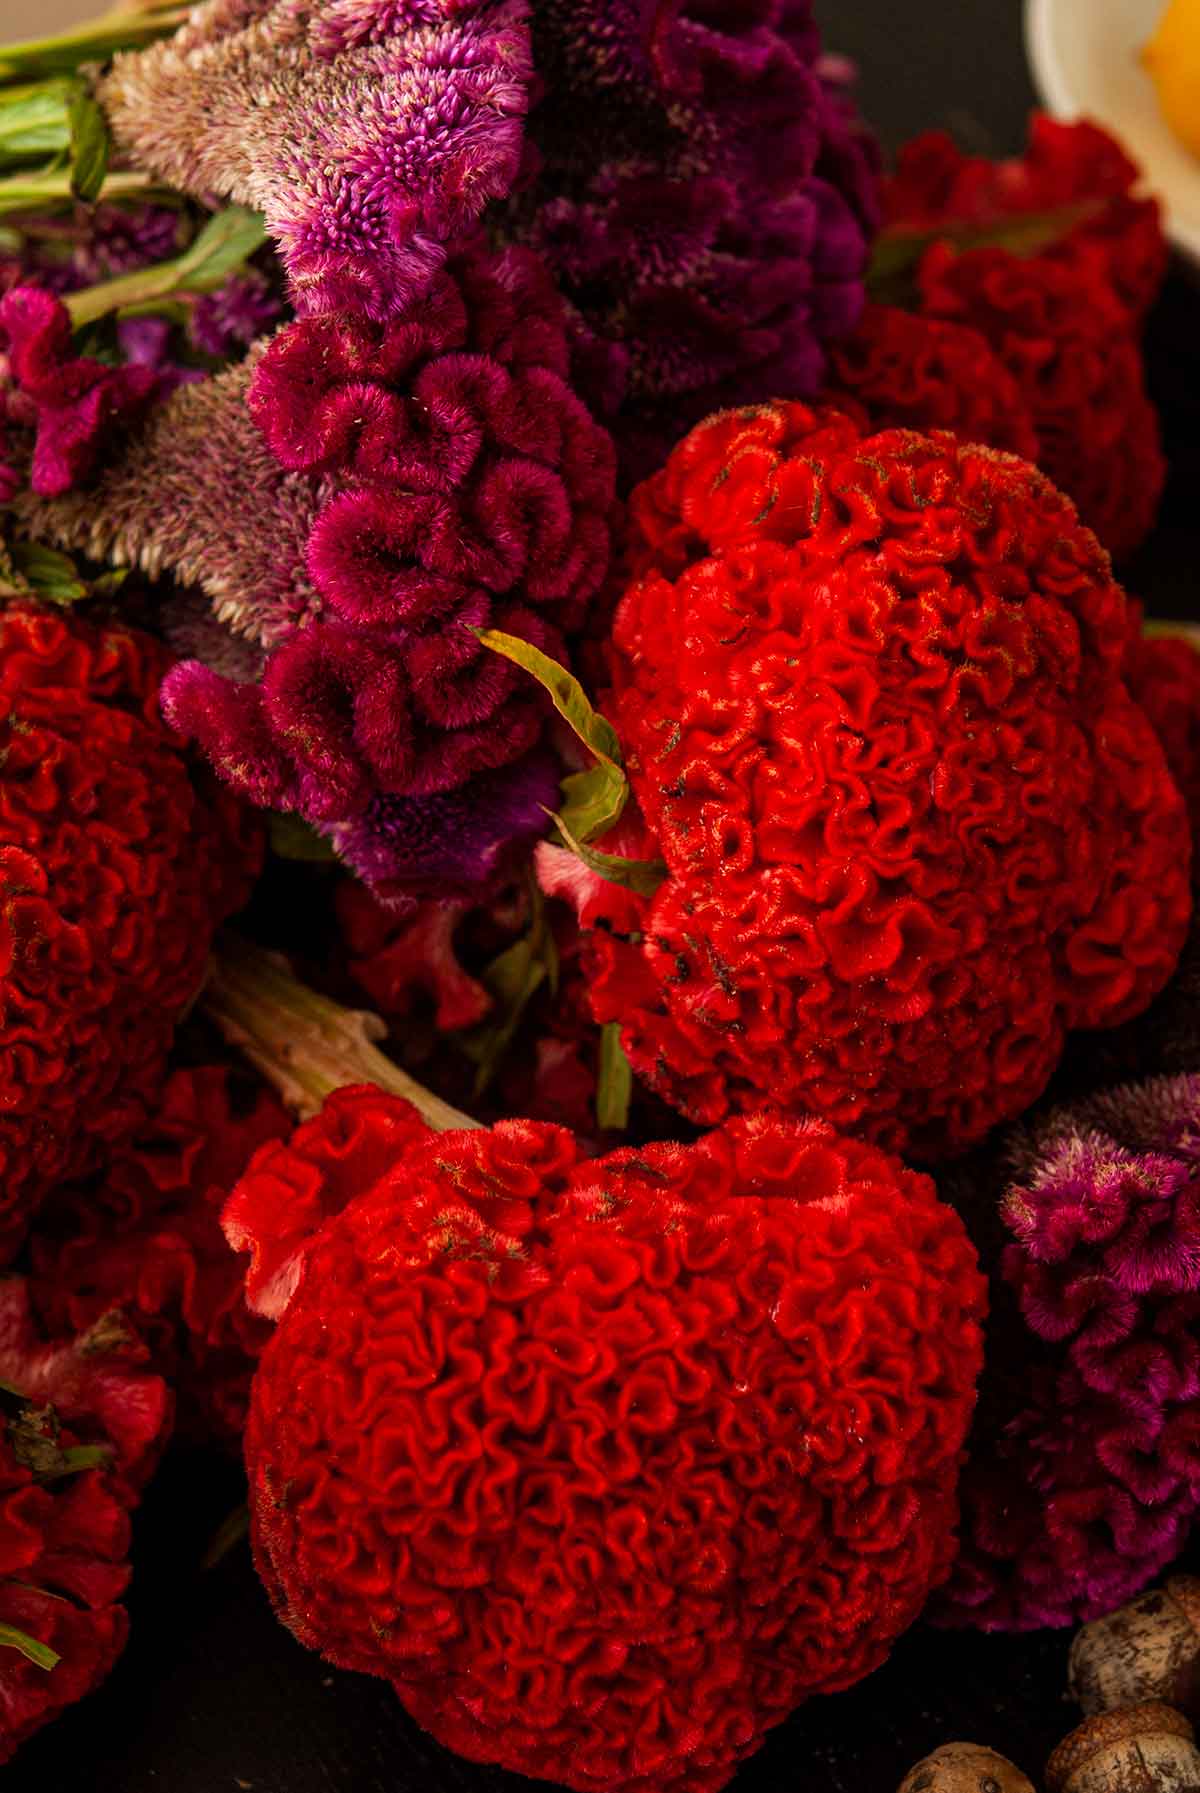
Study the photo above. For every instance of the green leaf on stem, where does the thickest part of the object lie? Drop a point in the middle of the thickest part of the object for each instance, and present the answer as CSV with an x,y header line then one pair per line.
x,y
77,1458
225,243
593,800
892,269
89,145
45,572
614,1087
642,876
512,979
34,122
41,1655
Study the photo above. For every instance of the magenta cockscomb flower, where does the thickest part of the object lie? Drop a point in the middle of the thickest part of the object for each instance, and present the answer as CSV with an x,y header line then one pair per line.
x,y
1083,1479
370,133
63,403
356,502
705,200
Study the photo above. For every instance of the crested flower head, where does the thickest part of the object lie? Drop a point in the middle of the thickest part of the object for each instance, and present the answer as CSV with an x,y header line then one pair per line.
x,y
705,199
368,134
358,500
68,402
1083,1478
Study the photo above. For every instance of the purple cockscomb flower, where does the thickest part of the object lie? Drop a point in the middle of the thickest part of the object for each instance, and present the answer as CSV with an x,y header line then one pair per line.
x,y
370,133
412,482
1083,1478
705,199
66,403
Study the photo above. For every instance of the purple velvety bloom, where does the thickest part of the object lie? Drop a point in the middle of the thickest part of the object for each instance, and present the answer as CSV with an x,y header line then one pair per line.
x,y
370,133
1083,1478
411,482
69,402
91,244
226,322
705,199
406,847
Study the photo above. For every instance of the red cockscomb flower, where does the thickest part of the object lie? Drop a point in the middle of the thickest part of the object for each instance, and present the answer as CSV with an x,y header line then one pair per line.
x,y
145,1241
918,373
606,1464
1064,320
1163,675
870,689
79,1432
115,867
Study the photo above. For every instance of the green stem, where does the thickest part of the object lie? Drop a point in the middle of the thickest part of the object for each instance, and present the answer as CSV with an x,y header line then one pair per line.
x,y
304,1044
32,192
223,246
94,41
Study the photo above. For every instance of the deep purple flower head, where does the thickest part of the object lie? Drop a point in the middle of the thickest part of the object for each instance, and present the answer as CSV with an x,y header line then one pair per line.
x,y
1083,1478
411,483
69,402
705,198
225,323
370,133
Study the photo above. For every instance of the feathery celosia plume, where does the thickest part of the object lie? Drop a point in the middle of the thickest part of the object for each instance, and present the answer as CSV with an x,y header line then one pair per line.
x,y
369,135
1083,1478
197,494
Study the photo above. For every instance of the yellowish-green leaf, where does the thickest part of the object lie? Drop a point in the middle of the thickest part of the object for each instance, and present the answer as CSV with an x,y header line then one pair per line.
x,y
642,876
228,1535
614,1087
47,572
513,979
226,242
41,1655
89,145
592,800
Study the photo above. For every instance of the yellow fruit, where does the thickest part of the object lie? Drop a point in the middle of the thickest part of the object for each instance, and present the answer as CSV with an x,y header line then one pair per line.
x,y
1172,58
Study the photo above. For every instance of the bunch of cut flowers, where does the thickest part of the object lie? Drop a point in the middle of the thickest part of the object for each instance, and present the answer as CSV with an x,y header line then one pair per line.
x,y
570,741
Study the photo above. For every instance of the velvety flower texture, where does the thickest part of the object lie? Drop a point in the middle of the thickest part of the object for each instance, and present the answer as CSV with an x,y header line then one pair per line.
x,y
870,691
1066,320
705,197
64,1531
632,1454
67,402
1084,1473
899,369
144,1241
447,479
116,866
370,133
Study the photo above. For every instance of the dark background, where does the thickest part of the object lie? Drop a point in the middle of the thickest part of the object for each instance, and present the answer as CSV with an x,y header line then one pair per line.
x,y
212,1696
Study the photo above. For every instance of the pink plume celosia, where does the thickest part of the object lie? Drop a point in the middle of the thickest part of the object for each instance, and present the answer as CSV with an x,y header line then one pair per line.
x,y
368,134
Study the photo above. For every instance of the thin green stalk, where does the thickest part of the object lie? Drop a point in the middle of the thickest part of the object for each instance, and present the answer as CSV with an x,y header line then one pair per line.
x,y
34,192
225,243
95,41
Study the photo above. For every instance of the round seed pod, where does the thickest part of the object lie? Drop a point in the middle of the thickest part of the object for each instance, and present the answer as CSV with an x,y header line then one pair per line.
x,y
1140,1749
1147,1650
965,1768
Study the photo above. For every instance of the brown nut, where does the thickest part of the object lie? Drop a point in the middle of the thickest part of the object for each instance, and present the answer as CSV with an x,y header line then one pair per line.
x,y
965,1768
1147,1650
1140,1749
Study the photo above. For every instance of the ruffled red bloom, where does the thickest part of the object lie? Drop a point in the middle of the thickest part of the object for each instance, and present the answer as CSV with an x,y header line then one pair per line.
x,y
902,370
1118,240
1163,675
69,400
145,1241
64,1521
116,867
451,481
1068,343
871,694
1065,320
632,1454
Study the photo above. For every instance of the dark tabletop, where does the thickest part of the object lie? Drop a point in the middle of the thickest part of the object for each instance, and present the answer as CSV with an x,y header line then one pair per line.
x,y
212,1695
